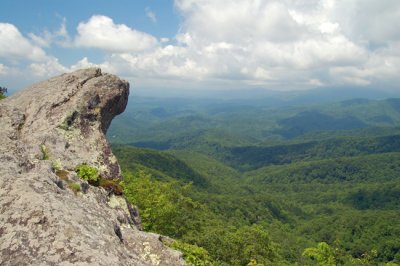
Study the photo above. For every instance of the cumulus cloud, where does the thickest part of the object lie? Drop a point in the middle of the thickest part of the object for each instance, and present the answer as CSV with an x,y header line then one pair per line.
x,y
297,43
170,62
101,32
238,21
279,41
48,68
83,63
368,20
14,46
164,40
23,58
47,38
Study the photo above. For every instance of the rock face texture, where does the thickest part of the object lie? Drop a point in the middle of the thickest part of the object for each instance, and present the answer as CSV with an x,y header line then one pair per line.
x,y
46,131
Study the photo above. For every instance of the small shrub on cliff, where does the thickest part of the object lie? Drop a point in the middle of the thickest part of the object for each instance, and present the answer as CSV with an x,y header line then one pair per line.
x,y
75,187
3,91
62,174
63,177
88,173
45,152
56,165
112,185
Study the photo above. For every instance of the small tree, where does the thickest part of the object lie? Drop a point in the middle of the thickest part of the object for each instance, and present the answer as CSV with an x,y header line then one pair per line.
x,y
3,91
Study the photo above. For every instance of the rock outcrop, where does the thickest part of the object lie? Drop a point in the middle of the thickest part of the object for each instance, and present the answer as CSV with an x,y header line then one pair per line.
x,y
46,131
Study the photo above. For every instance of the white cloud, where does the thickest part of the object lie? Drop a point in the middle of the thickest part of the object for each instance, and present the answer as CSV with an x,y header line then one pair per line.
x,y
83,63
249,42
101,32
47,69
26,59
368,20
14,46
163,63
286,44
3,69
43,40
238,21
151,15
47,38
164,40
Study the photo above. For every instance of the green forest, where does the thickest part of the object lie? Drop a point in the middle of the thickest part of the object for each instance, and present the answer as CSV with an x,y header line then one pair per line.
x,y
242,183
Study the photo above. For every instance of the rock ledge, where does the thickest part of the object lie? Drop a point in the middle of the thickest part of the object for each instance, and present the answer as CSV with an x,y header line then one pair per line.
x,y
59,124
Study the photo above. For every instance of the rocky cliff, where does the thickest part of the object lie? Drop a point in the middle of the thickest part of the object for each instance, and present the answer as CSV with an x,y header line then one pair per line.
x,y
48,215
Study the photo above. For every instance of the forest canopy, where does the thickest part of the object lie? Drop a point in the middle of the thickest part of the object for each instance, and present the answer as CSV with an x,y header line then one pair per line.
x,y
230,191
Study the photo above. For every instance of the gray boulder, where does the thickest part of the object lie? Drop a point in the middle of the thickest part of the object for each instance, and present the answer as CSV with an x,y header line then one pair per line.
x,y
46,131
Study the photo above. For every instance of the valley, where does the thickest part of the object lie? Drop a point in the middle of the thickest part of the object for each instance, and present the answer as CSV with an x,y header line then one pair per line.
x,y
236,181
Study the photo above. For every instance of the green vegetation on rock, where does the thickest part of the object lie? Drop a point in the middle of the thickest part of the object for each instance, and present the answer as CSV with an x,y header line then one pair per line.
x,y
45,152
88,173
75,187
112,185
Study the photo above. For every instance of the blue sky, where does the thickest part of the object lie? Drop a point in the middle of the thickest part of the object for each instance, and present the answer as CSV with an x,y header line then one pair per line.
x,y
205,44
